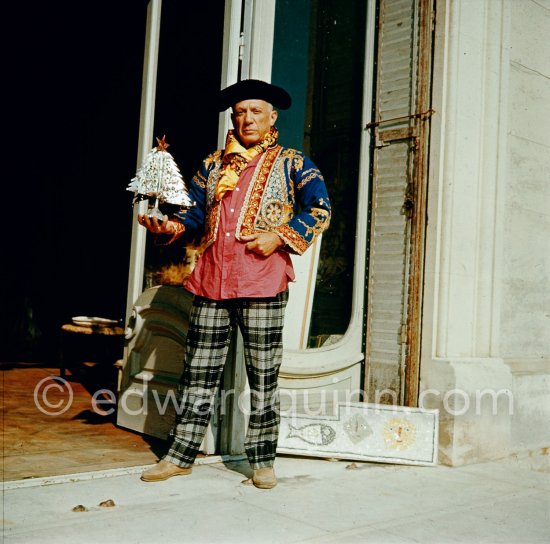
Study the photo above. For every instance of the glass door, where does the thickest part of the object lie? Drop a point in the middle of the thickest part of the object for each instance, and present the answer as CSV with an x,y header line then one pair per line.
x,y
182,77
323,54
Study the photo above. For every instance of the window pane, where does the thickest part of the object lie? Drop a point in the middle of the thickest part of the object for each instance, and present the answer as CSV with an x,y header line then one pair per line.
x,y
319,57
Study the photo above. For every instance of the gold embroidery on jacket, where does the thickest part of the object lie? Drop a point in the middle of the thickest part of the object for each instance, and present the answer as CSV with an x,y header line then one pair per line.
x,y
248,221
296,159
293,239
213,157
313,173
200,180
269,201
212,218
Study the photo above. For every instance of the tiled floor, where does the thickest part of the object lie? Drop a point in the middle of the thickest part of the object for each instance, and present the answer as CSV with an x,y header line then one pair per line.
x,y
81,439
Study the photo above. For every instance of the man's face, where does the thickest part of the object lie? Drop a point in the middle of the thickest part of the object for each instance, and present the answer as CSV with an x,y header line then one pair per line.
x,y
252,120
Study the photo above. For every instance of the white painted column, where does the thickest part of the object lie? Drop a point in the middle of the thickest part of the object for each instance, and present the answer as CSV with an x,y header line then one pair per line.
x,y
464,234
230,59
471,157
263,31
146,123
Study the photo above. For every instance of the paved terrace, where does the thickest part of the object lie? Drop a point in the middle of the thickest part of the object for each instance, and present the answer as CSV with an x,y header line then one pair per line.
x,y
317,501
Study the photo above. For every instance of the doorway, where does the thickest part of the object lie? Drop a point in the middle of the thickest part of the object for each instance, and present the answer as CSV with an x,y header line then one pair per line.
x,y
79,121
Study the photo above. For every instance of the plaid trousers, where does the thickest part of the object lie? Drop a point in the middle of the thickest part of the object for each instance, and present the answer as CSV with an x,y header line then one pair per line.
x,y
261,324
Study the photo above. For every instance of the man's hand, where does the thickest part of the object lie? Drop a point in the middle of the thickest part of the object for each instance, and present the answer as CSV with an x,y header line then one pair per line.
x,y
158,227
263,243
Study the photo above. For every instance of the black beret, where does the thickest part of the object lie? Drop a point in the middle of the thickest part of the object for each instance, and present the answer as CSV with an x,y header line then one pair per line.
x,y
254,89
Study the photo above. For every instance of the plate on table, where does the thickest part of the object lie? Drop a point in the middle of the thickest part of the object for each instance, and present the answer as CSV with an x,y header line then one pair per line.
x,y
88,321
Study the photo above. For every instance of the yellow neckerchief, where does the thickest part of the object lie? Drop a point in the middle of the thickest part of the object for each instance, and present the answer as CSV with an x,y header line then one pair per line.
x,y
236,157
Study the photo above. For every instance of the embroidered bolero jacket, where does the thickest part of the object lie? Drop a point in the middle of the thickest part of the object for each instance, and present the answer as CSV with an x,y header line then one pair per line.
x,y
286,195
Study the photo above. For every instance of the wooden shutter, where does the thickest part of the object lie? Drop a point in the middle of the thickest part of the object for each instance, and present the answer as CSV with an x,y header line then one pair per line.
x,y
398,201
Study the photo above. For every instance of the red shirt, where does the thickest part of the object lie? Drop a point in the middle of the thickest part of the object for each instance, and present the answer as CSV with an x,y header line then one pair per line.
x,y
227,269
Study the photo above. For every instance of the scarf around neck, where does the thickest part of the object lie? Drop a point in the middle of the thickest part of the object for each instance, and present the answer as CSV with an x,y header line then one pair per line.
x,y
236,157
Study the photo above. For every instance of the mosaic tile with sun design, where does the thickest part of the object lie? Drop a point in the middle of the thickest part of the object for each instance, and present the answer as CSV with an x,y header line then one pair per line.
x,y
399,433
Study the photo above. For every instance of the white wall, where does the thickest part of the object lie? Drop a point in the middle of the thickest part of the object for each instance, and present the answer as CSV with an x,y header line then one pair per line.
x,y
525,317
486,313
525,314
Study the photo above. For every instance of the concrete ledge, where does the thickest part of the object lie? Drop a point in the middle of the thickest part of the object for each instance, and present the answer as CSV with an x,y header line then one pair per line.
x,y
490,408
530,431
476,403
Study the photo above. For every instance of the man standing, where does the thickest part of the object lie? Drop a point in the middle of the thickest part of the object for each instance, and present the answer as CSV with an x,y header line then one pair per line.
x,y
256,202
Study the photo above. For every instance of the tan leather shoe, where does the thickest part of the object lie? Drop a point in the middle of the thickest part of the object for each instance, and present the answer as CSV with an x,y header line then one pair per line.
x,y
164,470
264,478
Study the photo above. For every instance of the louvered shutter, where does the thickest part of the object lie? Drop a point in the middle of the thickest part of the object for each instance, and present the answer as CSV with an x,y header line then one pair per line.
x,y
398,174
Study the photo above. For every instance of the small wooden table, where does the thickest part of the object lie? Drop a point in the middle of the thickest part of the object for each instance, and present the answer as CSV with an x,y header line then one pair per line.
x,y
113,342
